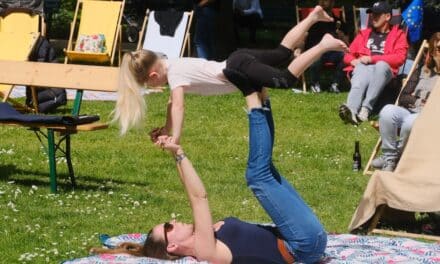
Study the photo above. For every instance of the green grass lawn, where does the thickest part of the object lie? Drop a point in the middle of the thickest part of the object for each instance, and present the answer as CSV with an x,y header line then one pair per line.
x,y
127,185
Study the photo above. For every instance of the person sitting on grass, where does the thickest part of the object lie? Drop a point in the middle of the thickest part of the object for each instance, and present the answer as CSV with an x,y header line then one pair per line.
x,y
375,56
296,236
244,68
411,102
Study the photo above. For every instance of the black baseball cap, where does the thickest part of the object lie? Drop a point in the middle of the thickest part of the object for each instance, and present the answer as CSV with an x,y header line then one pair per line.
x,y
381,7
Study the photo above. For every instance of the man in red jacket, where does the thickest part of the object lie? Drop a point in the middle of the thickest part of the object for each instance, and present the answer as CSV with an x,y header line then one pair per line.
x,y
375,57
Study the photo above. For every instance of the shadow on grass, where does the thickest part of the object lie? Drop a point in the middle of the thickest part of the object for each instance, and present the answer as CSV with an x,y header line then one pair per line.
x,y
86,183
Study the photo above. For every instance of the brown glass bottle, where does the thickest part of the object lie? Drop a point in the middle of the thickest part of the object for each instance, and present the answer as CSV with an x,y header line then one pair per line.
x,y
357,160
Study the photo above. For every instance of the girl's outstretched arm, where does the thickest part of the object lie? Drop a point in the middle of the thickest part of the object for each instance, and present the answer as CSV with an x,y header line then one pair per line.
x,y
176,113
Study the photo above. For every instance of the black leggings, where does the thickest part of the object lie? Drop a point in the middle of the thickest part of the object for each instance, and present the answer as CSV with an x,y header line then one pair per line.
x,y
258,68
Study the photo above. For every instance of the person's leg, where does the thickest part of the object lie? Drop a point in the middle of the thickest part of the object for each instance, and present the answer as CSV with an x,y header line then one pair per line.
x,y
378,80
390,120
253,73
315,70
237,19
253,21
303,61
296,35
362,75
405,130
205,23
336,57
294,219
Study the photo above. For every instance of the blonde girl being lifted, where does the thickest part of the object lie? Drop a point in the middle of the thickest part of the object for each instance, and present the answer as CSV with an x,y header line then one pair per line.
x,y
246,70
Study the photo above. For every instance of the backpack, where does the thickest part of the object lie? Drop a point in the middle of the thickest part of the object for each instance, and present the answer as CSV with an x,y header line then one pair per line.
x,y
48,99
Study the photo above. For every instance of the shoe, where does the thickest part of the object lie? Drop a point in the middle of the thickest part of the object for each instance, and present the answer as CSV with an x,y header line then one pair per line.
x,y
347,116
334,88
379,162
316,88
363,114
390,165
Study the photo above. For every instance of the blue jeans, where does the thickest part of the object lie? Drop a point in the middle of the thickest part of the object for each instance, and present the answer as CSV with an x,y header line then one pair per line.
x,y
298,225
205,31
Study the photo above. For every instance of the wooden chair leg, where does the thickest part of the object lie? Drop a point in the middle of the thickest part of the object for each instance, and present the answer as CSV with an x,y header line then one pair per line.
x,y
34,99
304,85
367,170
376,217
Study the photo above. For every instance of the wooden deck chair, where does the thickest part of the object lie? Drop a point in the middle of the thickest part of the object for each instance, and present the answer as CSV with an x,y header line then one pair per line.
x,y
303,12
360,17
173,47
417,61
19,32
97,17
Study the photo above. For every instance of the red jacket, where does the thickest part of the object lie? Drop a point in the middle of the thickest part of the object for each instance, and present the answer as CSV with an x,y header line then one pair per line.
x,y
396,47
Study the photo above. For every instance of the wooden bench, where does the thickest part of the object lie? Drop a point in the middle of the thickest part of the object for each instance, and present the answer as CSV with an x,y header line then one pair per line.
x,y
79,77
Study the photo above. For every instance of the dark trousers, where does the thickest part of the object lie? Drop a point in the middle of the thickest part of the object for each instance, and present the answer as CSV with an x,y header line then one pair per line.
x,y
334,57
258,68
252,22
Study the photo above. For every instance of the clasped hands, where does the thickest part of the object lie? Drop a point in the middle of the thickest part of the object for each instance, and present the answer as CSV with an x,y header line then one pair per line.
x,y
363,59
160,137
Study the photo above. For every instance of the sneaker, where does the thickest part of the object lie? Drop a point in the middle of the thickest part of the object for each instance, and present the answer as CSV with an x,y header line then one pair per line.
x,y
363,114
346,115
378,162
316,88
334,88
390,165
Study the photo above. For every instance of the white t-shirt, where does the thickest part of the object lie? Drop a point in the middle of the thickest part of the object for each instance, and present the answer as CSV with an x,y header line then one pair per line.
x,y
198,76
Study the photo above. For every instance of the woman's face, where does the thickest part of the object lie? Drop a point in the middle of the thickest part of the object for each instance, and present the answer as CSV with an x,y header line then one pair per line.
x,y
173,232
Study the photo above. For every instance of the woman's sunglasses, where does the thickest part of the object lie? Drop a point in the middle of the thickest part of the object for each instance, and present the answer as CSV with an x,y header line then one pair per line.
x,y
167,227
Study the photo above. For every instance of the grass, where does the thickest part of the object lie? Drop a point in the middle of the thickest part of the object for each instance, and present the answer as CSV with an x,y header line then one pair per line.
x,y
127,185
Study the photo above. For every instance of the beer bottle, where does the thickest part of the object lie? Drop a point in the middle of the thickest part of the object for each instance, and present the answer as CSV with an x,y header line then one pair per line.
x,y
357,161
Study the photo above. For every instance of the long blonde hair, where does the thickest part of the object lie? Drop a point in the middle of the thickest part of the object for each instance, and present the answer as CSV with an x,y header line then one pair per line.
x,y
133,74
153,248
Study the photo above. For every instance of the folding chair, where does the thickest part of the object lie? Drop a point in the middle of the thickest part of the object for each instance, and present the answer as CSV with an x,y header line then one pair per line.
x,y
172,47
303,12
19,32
97,17
417,61
360,17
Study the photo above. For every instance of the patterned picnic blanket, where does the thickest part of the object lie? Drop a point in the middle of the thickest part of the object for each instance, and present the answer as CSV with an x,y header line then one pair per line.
x,y
341,249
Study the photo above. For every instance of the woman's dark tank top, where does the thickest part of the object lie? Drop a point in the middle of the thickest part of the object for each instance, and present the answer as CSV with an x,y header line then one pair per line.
x,y
250,243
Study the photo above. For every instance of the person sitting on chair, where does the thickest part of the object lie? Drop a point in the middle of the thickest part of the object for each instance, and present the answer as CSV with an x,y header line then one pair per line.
x,y
374,58
411,102
338,29
247,13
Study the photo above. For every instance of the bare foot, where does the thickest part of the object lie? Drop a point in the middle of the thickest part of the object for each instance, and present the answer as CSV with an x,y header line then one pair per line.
x,y
319,14
328,42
